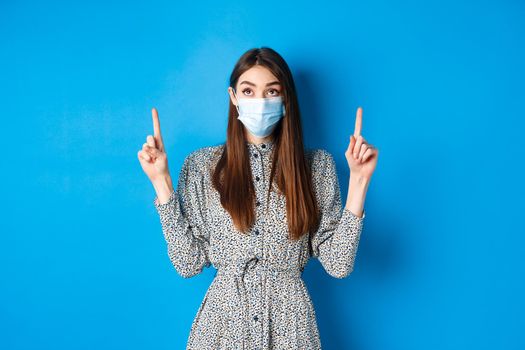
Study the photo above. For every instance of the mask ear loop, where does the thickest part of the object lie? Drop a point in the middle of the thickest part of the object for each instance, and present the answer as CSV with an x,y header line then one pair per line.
x,y
237,106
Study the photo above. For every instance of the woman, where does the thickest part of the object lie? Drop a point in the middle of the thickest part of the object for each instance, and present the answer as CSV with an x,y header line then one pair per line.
x,y
257,207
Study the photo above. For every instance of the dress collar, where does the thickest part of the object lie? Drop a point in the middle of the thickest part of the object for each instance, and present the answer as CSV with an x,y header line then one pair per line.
x,y
261,147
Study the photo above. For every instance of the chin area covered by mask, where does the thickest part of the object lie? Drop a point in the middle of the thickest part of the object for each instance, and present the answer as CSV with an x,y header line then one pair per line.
x,y
260,115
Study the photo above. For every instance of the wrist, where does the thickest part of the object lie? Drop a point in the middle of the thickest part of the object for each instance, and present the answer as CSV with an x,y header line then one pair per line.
x,y
357,188
358,181
163,187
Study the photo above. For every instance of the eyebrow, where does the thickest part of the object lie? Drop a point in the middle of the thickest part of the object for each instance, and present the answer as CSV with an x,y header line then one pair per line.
x,y
252,84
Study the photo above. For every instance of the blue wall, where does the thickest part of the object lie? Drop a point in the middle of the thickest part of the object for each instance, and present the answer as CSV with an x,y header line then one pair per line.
x,y
440,263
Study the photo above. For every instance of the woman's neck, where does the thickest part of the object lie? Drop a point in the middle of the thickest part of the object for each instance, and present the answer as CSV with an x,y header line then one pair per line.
x,y
257,140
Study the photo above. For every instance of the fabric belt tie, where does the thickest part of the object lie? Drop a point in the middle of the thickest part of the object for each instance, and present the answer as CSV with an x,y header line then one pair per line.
x,y
237,272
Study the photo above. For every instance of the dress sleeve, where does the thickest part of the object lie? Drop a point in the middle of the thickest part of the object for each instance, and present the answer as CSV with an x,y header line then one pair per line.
x,y
336,240
184,223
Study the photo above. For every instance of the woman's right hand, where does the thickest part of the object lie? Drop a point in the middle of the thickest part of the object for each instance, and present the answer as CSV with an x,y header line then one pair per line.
x,y
154,160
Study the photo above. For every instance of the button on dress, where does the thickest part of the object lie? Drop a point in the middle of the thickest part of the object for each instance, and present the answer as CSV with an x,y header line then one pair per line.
x,y
257,299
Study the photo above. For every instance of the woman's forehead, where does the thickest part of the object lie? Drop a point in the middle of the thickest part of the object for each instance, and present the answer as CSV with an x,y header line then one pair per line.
x,y
258,75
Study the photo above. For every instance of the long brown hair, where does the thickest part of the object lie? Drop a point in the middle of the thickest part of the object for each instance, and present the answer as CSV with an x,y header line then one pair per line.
x,y
232,177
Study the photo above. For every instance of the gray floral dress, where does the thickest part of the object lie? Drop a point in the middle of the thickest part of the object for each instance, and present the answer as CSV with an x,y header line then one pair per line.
x,y
257,299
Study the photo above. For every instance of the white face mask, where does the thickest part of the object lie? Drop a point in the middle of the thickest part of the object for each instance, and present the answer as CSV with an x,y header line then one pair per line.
x,y
260,115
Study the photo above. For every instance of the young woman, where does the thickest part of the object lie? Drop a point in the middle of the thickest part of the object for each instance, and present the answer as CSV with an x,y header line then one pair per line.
x,y
257,207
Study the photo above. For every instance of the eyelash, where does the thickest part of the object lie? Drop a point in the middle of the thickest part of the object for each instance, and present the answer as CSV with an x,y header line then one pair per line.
x,y
247,89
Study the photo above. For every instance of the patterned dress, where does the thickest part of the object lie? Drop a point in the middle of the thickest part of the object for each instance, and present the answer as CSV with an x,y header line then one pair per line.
x,y
257,299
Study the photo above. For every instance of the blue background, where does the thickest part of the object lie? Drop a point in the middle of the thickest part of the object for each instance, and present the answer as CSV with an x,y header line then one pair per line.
x,y
83,263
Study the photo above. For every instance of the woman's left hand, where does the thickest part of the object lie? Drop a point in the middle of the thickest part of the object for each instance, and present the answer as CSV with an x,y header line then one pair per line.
x,y
360,155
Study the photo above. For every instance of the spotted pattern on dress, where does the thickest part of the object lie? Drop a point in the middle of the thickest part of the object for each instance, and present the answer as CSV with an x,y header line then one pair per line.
x,y
257,299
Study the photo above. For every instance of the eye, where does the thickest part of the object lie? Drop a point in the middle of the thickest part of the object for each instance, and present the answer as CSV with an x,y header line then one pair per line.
x,y
273,92
245,90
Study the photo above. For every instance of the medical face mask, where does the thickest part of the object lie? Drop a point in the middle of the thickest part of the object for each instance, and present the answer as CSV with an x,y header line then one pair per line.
x,y
260,115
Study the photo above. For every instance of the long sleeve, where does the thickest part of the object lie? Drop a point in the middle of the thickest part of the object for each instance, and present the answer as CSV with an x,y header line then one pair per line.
x,y
184,223
336,240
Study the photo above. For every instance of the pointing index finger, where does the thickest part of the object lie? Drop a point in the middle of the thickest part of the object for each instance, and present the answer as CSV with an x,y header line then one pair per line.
x,y
358,122
156,129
